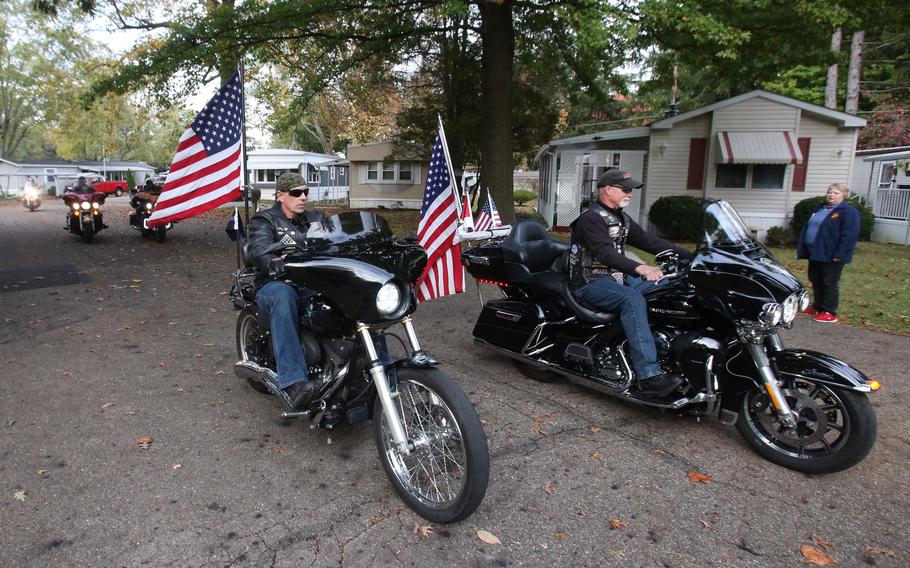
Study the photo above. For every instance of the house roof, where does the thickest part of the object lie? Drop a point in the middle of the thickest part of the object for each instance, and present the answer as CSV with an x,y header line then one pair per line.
x,y
891,156
117,165
621,134
877,151
287,152
845,120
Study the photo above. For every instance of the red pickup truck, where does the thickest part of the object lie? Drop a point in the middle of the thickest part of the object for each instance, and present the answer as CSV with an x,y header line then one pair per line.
x,y
97,181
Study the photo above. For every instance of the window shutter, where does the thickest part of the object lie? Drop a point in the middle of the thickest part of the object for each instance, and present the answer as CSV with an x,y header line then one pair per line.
x,y
696,177
799,170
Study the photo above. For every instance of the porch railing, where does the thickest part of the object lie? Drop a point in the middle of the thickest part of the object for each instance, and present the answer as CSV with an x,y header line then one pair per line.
x,y
892,203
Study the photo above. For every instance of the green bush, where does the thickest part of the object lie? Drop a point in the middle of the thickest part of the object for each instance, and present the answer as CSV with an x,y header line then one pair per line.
x,y
803,210
678,217
130,181
780,237
522,196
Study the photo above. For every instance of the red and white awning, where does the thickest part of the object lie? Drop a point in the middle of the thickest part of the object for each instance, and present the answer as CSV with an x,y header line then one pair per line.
x,y
758,148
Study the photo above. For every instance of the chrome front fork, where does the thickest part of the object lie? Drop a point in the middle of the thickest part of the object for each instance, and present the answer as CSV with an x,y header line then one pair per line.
x,y
771,384
381,380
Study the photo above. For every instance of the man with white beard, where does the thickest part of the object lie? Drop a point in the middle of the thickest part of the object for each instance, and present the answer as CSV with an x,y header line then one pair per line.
x,y
602,276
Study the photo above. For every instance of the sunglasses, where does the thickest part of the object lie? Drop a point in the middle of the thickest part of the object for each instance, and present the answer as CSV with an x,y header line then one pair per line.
x,y
624,189
298,192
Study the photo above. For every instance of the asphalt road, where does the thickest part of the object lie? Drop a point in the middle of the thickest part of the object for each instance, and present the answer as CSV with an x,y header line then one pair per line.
x,y
104,343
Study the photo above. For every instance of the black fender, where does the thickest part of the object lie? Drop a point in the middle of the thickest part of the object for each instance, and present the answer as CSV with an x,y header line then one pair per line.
x,y
820,368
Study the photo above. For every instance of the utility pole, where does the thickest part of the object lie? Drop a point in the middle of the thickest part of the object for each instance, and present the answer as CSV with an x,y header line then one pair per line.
x,y
856,63
831,84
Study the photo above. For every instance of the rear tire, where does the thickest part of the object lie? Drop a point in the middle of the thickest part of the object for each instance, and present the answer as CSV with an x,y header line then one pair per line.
x,y
539,375
247,336
445,477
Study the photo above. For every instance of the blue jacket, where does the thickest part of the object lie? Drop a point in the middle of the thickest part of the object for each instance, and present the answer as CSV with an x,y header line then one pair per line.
x,y
837,236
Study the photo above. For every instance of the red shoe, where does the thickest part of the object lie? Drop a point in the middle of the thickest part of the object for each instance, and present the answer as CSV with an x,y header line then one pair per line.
x,y
810,311
825,317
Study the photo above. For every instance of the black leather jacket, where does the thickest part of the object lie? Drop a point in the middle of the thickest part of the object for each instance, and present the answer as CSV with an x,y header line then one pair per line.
x,y
270,226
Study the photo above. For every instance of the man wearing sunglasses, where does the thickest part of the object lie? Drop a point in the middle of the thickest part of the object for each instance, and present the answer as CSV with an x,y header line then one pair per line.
x,y
603,276
281,301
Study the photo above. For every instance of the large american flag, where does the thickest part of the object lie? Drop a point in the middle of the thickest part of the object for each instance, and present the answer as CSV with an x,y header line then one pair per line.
x,y
436,231
488,218
206,169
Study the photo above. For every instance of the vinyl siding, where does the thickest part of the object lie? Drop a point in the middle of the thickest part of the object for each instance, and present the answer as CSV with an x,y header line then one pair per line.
x,y
825,166
756,115
666,174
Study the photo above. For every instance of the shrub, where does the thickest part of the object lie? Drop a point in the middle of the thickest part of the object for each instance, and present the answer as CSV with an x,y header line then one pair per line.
x,y
803,210
522,196
678,217
130,181
780,237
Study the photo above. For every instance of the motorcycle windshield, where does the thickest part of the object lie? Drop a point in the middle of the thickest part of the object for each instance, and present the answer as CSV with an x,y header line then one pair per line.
x,y
723,227
348,226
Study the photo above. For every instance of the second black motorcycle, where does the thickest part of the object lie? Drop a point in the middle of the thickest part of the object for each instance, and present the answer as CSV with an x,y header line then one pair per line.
x,y
430,439
143,204
715,322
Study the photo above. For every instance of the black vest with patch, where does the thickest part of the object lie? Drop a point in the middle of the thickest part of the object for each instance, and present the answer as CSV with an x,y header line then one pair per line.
x,y
583,268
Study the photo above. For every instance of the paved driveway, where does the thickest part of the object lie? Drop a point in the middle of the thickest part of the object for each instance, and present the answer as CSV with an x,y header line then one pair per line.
x,y
105,343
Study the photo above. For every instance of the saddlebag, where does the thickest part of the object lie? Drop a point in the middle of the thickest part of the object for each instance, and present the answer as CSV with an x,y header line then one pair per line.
x,y
507,324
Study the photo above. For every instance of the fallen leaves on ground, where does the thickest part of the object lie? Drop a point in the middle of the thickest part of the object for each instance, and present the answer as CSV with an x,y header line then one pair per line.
x,y
816,557
488,537
617,524
162,365
707,524
19,495
549,489
598,456
559,535
376,520
697,477
879,550
177,466
595,429
279,450
539,420
538,430
42,472
822,543
131,413
425,530
107,405
144,442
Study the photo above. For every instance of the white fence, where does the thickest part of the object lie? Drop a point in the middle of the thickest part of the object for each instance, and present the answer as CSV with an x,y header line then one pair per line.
x,y
892,203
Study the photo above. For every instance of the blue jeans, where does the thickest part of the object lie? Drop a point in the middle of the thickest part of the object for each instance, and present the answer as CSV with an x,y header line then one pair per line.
x,y
611,296
282,303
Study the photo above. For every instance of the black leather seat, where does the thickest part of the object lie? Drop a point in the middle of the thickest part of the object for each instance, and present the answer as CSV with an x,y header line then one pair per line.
x,y
546,260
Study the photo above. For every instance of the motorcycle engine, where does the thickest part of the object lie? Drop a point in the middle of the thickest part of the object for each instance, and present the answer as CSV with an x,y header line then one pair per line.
x,y
609,364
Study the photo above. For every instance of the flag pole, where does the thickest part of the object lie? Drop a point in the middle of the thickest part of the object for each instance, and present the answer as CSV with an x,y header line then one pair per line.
x,y
445,148
244,174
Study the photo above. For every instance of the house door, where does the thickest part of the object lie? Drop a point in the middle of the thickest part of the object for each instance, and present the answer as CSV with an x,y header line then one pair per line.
x,y
576,180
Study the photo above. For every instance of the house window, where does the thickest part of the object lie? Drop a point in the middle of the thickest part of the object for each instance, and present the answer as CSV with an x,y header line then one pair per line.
x,y
49,179
750,176
888,173
388,171
373,170
404,172
312,174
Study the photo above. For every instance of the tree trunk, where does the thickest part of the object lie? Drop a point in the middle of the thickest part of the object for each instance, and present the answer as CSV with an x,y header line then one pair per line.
x,y
831,85
856,64
498,40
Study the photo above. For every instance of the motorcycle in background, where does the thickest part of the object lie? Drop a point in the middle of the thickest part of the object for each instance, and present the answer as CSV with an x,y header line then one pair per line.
x,y
431,442
31,198
83,213
715,323
144,204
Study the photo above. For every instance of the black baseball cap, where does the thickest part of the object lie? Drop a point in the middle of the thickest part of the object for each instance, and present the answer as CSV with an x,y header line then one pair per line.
x,y
618,178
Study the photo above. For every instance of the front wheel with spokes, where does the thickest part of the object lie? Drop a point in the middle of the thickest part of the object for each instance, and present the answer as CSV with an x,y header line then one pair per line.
x,y
835,428
444,476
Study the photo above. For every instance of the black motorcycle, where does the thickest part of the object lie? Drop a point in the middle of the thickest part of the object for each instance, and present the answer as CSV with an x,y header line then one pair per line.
x,y
715,322
83,212
430,439
144,205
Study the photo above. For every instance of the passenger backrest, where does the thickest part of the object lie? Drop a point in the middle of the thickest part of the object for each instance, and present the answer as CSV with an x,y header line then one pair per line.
x,y
529,244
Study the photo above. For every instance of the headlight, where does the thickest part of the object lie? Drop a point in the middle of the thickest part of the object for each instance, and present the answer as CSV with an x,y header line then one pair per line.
x,y
76,206
803,299
388,298
770,314
86,205
95,205
148,206
789,311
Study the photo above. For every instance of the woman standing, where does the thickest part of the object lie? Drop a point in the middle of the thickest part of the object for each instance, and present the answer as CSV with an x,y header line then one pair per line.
x,y
828,240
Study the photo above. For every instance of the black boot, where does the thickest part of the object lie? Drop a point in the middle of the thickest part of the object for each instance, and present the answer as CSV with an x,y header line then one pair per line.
x,y
659,385
300,393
